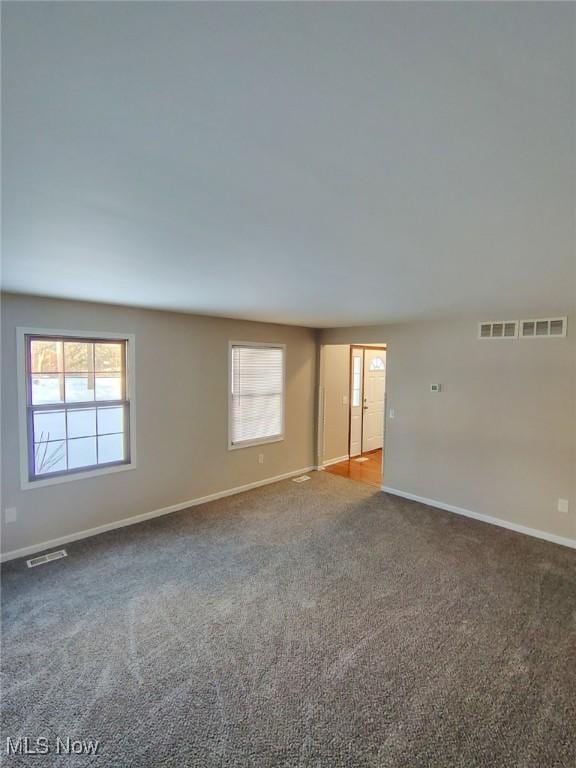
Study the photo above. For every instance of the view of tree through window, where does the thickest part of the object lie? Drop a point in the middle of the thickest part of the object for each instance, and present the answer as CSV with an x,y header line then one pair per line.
x,y
78,411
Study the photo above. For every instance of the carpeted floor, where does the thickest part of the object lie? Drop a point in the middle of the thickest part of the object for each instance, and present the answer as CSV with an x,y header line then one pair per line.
x,y
322,624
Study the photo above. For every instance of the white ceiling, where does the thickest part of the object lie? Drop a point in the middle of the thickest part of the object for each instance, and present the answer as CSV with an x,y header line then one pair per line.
x,y
320,164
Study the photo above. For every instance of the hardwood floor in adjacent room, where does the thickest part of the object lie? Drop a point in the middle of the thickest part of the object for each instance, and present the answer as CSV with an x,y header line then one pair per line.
x,y
369,471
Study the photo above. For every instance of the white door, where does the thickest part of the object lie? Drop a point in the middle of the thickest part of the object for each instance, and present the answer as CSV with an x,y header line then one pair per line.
x,y
374,392
356,402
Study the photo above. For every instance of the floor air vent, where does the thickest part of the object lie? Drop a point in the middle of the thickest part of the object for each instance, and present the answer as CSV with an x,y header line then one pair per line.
x,y
41,559
301,479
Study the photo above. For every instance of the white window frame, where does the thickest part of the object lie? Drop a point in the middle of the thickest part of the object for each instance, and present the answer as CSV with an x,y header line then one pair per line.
x,y
261,440
21,333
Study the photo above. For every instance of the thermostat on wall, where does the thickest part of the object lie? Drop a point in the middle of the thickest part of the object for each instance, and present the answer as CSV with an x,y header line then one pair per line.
x,y
435,387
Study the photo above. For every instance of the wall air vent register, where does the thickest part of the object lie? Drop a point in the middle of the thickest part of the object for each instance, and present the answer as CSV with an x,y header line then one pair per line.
x,y
545,328
499,329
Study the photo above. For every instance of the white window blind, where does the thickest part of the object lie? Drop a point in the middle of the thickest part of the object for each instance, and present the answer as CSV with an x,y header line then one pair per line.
x,y
257,393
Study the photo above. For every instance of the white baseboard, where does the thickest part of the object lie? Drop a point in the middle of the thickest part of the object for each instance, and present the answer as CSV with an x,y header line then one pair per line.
x,y
329,462
40,547
484,518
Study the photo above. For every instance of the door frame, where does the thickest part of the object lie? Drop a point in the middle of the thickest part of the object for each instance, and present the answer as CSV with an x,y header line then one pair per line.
x,y
363,347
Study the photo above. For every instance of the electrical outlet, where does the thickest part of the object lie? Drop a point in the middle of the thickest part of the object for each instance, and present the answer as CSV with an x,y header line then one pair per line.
x,y
10,515
563,506
260,458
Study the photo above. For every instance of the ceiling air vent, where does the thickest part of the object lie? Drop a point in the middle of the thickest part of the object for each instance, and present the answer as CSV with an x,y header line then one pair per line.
x,y
499,329
543,329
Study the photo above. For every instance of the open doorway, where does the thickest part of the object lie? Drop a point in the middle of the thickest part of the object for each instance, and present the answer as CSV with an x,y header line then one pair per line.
x,y
353,397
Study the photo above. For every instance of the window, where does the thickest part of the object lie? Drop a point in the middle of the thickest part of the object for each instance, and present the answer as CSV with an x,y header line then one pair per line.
x,y
256,411
377,364
77,405
356,380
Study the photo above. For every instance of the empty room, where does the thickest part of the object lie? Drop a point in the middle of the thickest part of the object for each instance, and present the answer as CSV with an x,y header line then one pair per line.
x,y
288,384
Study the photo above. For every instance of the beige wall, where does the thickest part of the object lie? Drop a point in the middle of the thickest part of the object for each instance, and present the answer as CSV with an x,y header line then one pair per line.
x,y
500,439
335,384
182,410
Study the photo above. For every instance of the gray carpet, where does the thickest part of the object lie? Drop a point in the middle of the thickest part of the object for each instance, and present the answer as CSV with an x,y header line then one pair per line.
x,y
323,624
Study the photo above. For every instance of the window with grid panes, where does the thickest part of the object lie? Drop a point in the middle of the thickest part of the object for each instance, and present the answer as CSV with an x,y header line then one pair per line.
x,y
78,411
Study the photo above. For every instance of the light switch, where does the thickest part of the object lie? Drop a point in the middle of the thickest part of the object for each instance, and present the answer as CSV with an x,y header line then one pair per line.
x,y
392,413
563,506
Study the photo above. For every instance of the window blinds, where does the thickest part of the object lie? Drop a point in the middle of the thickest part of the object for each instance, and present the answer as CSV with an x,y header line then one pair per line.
x,y
257,393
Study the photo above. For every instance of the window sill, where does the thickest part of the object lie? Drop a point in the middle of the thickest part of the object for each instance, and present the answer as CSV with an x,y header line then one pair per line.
x,y
253,443
27,485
